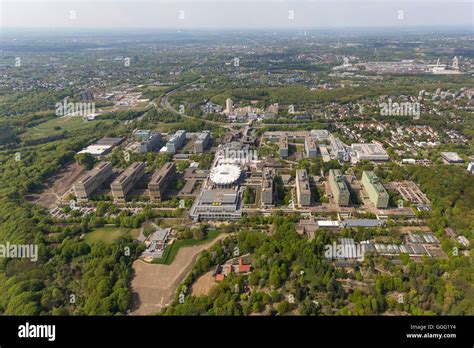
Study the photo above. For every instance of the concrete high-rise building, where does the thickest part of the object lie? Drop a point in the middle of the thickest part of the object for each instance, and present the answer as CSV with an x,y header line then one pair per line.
x,y
229,106
149,140
338,150
303,191
160,180
92,180
268,187
176,141
310,147
339,187
377,193
283,149
127,180
202,141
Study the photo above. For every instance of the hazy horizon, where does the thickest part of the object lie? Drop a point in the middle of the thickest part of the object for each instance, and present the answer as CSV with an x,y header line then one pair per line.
x,y
234,14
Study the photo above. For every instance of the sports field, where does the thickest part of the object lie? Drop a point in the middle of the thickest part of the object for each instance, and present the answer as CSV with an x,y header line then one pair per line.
x,y
109,234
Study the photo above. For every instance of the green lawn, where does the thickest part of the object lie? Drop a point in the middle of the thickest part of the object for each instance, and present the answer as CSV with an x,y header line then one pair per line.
x,y
68,123
170,252
109,234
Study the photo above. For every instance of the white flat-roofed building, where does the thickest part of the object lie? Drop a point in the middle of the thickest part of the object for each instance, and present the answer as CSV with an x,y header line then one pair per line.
x,y
97,150
369,152
451,157
328,223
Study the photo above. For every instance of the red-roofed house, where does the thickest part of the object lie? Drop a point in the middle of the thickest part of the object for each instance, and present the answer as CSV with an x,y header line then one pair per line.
x,y
243,268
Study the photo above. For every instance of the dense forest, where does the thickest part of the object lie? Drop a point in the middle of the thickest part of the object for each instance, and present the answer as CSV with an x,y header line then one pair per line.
x,y
70,276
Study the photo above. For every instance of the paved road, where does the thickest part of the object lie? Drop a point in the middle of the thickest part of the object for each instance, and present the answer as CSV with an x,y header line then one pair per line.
x,y
165,104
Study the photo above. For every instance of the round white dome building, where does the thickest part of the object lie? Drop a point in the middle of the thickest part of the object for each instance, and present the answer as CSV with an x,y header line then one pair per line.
x,y
225,175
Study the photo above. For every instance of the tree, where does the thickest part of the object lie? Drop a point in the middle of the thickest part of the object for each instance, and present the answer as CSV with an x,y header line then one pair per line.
x,y
283,307
86,160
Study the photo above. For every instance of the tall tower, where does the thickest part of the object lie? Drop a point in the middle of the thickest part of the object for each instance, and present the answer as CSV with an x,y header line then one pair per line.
x,y
456,63
229,106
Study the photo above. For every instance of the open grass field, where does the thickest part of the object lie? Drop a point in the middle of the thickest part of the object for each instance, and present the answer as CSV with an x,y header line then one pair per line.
x,y
58,125
171,252
109,234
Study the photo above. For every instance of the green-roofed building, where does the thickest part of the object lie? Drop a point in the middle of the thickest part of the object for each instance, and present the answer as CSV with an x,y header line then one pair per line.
x,y
377,193
339,187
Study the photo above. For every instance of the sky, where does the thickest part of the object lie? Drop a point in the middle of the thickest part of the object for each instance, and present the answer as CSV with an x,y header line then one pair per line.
x,y
225,14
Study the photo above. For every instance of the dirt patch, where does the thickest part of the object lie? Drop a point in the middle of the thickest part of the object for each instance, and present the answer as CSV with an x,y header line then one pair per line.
x,y
154,286
407,229
57,186
203,284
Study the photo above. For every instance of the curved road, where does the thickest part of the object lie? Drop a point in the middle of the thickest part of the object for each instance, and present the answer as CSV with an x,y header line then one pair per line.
x,y
165,104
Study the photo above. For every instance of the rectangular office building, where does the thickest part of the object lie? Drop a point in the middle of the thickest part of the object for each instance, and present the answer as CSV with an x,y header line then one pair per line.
x,y
268,187
176,141
310,147
339,187
202,141
303,191
127,180
92,180
283,146
377,193
221,204
160,180
148,139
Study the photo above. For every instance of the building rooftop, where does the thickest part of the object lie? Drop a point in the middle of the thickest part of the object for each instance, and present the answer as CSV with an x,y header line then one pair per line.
x,y
362,223
302,177
225,174
96,150
217,197
375,182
